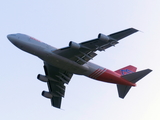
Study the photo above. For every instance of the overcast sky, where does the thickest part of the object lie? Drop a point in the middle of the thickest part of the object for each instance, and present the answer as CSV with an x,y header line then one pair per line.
x,y
59,22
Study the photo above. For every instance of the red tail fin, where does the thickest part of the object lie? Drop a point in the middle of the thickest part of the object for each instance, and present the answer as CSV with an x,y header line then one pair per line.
x,y
126,70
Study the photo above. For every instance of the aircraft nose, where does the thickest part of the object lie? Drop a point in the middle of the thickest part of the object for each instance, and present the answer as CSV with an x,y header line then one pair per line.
x,y
12,37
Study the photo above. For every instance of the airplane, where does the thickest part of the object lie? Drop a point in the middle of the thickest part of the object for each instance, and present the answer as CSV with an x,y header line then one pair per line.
x,y
61,64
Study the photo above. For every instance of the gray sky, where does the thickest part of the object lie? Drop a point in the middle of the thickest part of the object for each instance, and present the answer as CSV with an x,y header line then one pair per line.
x,y
57,23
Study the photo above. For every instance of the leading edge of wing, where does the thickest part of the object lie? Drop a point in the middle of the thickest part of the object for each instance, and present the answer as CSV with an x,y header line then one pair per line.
x,y
83,52
105,41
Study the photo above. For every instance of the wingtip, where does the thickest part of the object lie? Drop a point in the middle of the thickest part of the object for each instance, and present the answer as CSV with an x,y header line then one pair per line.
x,y
135,30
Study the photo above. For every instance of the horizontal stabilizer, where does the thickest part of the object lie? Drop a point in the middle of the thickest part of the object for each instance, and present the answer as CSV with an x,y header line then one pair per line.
x,y
133,77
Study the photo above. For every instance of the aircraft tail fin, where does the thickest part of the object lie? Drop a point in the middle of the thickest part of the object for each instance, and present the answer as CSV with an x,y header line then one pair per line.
x,y
133,77
126,70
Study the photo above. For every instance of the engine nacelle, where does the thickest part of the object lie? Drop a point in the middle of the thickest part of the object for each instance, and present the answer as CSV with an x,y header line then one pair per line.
x,y
74,45
103,37
47,94
42,78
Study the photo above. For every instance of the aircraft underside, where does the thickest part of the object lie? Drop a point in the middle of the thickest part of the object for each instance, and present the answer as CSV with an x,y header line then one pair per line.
x,y
61,64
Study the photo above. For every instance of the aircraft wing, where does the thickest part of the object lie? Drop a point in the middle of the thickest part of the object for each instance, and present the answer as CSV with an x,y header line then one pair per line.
x,y
83,52
56,80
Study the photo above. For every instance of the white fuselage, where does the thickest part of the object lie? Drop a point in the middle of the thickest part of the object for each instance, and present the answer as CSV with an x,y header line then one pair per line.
x,y
46,53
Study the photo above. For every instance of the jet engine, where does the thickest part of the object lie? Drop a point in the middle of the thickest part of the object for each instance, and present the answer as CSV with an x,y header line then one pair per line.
x,y
47,94
42,78
74,45
103,37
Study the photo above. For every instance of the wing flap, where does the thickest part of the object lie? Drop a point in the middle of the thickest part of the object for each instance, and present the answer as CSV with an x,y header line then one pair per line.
x,y
81,56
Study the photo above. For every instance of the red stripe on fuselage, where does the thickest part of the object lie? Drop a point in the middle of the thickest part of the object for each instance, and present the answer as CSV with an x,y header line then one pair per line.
x,y
113,77
35,39
97,73
93,73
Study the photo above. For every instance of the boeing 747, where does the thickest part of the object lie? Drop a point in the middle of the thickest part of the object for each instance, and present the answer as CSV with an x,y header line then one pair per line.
x,y
61,64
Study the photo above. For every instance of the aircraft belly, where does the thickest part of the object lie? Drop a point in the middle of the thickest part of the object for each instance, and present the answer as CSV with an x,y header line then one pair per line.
x,y
47,55
63,63
35,49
